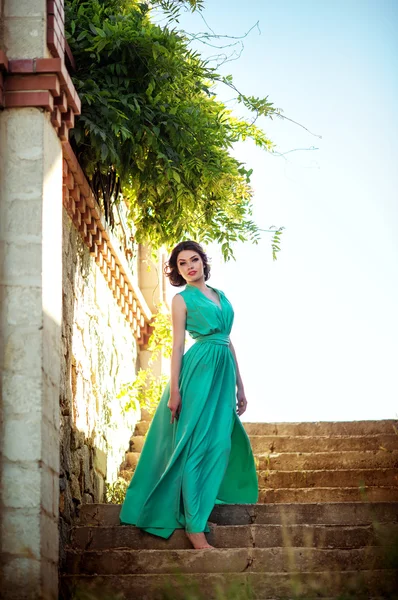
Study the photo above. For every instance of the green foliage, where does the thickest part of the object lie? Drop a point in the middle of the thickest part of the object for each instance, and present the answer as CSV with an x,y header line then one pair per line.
x,y
172,8
146,390
115,492
161,340
150,116
276,242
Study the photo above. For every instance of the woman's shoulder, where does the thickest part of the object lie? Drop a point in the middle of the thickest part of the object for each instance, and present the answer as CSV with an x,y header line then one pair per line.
x,y
178,298
184,297
185,300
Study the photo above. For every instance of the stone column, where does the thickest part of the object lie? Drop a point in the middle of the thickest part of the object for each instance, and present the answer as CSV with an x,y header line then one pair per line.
x,y
151,278
30,320
152,285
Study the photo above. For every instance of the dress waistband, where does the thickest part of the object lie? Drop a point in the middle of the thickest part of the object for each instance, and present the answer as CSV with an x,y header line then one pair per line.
x,y
213,338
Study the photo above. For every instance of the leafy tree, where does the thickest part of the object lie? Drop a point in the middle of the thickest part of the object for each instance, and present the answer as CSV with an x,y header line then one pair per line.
x,y
152,125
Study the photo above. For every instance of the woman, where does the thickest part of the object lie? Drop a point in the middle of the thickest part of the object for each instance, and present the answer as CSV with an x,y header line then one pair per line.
x,y
196,453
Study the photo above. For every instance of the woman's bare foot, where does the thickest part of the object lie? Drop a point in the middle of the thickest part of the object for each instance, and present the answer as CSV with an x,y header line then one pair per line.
x,y
198,541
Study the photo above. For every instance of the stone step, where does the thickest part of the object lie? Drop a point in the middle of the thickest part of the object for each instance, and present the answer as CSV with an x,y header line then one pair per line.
x,y
146,415
324,428
126,473
309,461
267,493
226,560
331,513
277,444
238,536
328,494
327,513
328,478
260,586
314,461
136,443
141,427
272,443
132,458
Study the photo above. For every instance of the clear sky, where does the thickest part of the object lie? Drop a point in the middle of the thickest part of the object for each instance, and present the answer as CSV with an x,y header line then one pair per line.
x,y
316,332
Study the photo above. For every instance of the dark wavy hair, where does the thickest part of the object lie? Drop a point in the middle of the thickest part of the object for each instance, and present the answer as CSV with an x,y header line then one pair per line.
x,y
171,269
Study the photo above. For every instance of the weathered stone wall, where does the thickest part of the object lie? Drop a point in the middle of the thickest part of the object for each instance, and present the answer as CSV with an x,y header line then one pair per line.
x,y
99,355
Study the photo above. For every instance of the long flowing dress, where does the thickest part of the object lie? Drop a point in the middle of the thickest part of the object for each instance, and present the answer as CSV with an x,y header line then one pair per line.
x,y
204,458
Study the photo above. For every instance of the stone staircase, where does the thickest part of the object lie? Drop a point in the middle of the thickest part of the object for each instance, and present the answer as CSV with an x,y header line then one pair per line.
x,y
326,525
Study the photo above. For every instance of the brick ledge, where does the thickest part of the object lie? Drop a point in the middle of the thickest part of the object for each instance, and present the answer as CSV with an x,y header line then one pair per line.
x,y
40,83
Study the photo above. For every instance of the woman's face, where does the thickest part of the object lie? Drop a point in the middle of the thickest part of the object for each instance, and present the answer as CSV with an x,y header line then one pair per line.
x,y
190,265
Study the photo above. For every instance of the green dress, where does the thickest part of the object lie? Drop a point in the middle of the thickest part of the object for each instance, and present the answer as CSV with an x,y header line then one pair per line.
x,y
205,457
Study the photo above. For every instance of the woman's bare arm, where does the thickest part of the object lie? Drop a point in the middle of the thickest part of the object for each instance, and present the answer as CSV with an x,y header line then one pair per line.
x,y
178,315
239,382
240,390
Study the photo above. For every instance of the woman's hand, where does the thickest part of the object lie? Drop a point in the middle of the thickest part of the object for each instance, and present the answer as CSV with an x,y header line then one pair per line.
x,y
174,404
241,401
